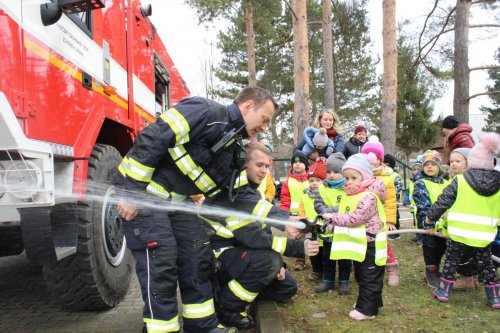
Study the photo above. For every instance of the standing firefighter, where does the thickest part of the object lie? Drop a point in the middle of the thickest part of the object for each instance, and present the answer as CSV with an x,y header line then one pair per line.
x,y
191,149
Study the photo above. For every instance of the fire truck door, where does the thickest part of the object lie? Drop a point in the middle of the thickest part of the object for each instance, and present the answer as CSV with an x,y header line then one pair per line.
x,y
11,51
143,66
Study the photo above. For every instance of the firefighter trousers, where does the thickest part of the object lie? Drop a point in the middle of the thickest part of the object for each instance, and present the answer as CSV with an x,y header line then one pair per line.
x,y
171,248
244,273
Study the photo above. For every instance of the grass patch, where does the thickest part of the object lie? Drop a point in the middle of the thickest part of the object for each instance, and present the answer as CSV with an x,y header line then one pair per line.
x,y
407,308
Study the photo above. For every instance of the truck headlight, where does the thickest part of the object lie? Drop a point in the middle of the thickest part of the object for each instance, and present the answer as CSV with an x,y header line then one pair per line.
x,y
23,179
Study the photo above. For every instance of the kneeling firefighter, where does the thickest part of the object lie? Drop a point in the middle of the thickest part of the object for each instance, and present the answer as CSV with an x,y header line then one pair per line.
x,y
249,255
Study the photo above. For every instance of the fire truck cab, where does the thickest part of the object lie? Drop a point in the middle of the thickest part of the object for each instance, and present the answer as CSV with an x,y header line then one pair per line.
x,y
79,80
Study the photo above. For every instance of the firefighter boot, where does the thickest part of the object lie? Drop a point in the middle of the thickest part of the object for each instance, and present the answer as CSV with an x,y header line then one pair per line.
x,y
465,283
443,292
236,319
324,286
344,287
493,294
393,274
432,276
222,329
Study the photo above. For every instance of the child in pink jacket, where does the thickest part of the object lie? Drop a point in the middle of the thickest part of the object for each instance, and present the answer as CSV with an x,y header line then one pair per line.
x,y
360,232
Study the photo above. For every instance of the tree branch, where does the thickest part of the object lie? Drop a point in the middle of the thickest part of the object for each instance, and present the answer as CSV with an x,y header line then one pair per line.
x,y
291,8
494,92
434,40
488,25
483,67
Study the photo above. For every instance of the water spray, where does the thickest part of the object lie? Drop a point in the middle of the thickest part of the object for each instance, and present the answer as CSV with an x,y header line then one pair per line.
x,y
143,200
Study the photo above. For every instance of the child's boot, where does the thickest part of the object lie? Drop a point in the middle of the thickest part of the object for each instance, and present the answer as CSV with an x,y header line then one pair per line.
x,y
432,276
465,283
393,274
493,294
344,287
299,264
324,286
356,315
443,292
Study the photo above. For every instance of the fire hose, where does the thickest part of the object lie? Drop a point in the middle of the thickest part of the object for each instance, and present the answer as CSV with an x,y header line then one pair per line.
x,y
316,229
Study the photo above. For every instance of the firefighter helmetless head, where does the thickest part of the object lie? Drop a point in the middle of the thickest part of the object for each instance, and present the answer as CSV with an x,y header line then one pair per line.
x,y
257,107
257,162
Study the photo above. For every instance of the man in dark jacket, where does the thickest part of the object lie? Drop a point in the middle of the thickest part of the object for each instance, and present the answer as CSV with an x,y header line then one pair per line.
x,y
356,142
457,135
249,254
191,149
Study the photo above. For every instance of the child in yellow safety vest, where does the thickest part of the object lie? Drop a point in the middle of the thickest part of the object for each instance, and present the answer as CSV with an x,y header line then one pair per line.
x,y
359,232
386,174
315,176
292,190
473,204
426,191
416,167
328,202
467,268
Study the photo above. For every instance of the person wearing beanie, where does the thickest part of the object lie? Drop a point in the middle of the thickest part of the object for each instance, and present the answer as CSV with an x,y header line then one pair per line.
x,y
456,135
356,142
374,146
458,161
299,156
315,176
386,174
360,223
450,122
326,122
315,143
416,167
467,267
328,201
335,162
390,161
472,202
426,191
292,190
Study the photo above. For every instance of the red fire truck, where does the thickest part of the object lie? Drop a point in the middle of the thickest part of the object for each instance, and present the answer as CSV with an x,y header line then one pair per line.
x,y
79,80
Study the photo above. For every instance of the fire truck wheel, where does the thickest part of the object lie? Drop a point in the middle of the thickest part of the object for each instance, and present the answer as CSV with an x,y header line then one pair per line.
x,y
98,275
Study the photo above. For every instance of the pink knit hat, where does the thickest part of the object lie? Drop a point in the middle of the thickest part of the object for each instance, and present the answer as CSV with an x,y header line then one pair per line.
x,y
362,163
374,146
483,154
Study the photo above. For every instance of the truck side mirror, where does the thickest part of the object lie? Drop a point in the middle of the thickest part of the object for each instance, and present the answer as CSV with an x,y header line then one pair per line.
x,y
52,12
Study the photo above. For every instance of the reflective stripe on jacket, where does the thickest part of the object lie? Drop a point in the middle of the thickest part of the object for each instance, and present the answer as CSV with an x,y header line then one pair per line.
x,y
473,219
350,242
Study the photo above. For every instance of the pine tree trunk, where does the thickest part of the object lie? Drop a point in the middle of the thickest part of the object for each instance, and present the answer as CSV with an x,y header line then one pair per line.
x,y
389,89
461,62
328,55
252,75
301,109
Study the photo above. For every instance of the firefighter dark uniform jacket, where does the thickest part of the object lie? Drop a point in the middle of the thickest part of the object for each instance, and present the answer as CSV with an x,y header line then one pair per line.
x,y
172,157
236,231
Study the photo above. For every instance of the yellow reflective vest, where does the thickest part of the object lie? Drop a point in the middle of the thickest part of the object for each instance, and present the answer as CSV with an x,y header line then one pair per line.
x,y
296,190
473,219
434,189
350,242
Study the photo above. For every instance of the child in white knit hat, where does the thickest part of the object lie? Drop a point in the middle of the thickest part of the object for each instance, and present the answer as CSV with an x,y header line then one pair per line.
x,y
473,204
359,232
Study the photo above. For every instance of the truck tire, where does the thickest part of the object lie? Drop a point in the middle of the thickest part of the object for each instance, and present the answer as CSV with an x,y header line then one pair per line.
x,y
98,276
